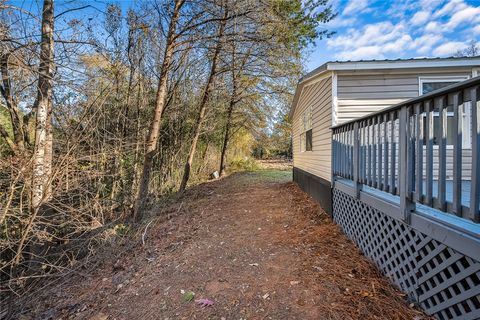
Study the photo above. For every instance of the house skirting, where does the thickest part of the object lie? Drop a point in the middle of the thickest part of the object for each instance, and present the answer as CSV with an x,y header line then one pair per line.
x,y
319,189
418,257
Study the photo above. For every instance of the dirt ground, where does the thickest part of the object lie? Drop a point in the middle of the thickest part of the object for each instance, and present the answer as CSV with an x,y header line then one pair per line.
x,y
252,243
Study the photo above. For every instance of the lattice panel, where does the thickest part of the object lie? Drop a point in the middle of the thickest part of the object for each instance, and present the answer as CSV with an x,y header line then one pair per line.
x,y
444,282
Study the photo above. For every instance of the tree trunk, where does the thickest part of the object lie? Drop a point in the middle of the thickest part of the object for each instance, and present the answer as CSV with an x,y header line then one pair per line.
x,y
203,105
160,99
227,131
15,118
43,106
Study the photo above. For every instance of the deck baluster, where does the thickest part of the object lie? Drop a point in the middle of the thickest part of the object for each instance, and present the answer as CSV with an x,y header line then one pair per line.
x,y
361,148
429,156
369,153
474,213
457,153
374,153
352,141
406,205
418,153
379,154
392,153
442,152
356,151
410,151
385,152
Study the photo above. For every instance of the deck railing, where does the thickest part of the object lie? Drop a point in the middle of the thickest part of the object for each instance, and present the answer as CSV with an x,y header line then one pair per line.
x,y
402,150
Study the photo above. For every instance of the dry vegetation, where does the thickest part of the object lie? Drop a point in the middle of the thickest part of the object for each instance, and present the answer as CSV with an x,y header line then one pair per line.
x,y
252,243
106,110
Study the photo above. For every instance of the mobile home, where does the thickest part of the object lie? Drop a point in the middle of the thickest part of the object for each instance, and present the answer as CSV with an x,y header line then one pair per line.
x,y
338,92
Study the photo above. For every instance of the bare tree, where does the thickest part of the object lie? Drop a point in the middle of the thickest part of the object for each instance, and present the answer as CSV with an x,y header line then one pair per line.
x,y
204,102
471,51
42,156
160,99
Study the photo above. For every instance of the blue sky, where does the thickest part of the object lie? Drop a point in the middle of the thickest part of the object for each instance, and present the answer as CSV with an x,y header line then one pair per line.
x,y
367,29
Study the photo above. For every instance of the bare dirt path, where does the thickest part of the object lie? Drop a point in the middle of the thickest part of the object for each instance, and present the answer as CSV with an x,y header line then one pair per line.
x,y
254,244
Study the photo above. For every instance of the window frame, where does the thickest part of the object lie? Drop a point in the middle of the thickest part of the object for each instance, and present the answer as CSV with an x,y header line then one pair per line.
x,y
424,79
307,125
475,72
427,79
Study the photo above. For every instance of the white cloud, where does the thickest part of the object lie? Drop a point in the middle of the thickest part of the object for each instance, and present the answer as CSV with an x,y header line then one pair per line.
x,y
420,18
466,15
429,5
342,22
433,27
372,42
397,45
450,8
413,28
356,6
372,34
449,48
424,43
367,52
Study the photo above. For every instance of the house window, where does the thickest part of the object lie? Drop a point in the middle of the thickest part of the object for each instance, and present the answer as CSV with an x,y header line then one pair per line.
x,y
429,84
306,134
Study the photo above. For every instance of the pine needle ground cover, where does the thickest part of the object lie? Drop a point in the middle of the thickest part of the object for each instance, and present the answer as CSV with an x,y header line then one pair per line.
x,y
251,245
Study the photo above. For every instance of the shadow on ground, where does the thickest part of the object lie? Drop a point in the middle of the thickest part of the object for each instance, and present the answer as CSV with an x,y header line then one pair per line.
x,y
252,243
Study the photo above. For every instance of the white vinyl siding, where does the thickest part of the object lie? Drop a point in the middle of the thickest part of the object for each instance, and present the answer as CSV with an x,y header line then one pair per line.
x,y
318,97
362,93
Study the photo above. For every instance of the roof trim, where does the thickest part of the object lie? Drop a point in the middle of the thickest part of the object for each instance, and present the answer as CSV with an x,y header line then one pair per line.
x,y
299,90
381,65
392,64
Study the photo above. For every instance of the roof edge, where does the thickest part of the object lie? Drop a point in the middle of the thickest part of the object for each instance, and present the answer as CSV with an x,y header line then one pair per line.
x,y
392,64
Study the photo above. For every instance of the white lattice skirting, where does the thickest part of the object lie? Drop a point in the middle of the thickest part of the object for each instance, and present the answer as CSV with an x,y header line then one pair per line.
x,y
443,281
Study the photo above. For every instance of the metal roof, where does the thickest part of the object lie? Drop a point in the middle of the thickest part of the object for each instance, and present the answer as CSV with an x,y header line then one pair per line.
x,y
351,65
325,66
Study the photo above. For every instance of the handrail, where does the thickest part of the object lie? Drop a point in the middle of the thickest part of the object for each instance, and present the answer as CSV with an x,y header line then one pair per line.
x,y
403,150
443,91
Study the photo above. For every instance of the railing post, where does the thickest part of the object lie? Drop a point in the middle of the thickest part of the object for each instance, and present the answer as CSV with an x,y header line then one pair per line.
x,y
406,204
457,153
441,103
356,151
474,213
419,137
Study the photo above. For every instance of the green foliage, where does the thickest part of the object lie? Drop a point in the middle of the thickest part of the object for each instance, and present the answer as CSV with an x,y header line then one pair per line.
x,y
121,229
275,175
243,164
6,123
275,144
302,20
188,296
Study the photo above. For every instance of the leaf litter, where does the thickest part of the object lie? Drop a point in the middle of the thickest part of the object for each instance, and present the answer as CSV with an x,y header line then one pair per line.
x,y
314,271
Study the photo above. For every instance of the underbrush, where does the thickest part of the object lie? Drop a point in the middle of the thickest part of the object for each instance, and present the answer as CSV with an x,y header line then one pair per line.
x,y
243,164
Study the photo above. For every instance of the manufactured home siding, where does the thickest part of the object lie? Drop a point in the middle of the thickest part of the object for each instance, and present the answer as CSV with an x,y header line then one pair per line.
x,y
318,95
362,93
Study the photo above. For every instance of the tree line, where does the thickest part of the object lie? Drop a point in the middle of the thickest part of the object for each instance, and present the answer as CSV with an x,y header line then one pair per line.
x,y
104,110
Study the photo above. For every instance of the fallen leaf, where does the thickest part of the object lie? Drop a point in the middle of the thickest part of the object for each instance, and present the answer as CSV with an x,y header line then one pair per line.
x,y
204,302
99,316
365,293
